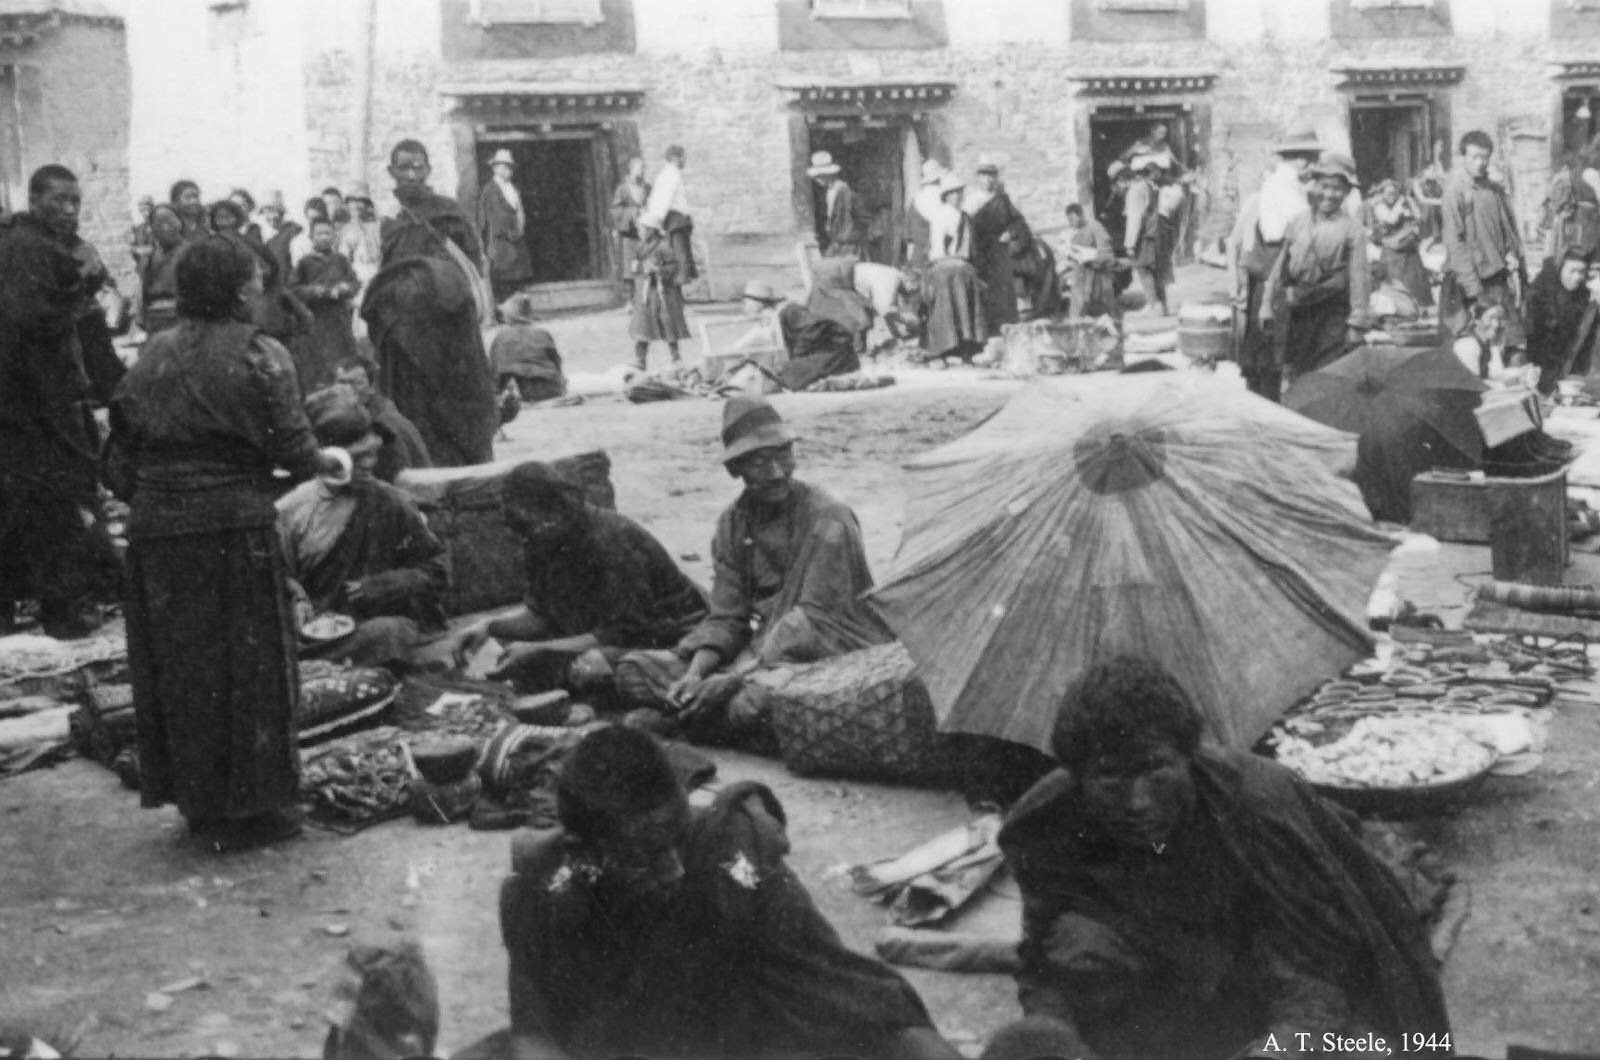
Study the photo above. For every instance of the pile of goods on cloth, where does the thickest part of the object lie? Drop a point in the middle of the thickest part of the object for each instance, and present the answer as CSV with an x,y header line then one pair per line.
x,y
1417,734
41,679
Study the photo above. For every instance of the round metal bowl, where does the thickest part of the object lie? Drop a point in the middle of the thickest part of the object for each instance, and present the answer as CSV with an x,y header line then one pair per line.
x,y
1421,800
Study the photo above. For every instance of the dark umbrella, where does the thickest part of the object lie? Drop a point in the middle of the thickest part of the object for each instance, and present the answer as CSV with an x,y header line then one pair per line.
x,y
1412,408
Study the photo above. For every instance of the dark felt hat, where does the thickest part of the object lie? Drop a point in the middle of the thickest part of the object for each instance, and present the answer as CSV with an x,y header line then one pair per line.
x,y
337,416
749,422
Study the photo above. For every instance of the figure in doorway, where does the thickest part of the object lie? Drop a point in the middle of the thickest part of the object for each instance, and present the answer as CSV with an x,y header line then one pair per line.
x,y
627,202
503,227
844,224
1145,236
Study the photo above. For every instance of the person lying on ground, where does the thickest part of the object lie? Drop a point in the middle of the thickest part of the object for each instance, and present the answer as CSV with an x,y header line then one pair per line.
x,y
1185,900
403,446
362,549
819,345
599,585
642,926
790,570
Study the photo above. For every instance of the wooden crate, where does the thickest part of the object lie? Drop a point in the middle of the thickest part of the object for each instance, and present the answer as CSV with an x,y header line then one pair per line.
x,y
1452,508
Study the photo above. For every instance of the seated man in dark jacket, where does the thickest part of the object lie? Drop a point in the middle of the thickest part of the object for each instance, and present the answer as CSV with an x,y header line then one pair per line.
x,y
1181,900
362,548
642,927
599,585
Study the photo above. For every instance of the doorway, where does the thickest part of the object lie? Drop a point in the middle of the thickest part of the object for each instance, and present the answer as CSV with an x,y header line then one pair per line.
x,y
1580,119
871,155
559,175
1114,131
1389,138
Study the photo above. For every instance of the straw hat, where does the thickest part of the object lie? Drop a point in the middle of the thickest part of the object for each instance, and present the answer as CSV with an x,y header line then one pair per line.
x,y
757,291
932,170
822,164
749,422
503,157
987,164
1300,141
1336,164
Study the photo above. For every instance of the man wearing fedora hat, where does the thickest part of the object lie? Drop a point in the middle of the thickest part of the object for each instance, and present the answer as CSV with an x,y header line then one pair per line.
x,y
790,569
1146,235
361,547
1317,293
844,223
1253,249
503,227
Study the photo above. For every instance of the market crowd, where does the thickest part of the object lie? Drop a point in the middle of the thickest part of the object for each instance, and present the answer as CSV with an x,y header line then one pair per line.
x,y
1178,899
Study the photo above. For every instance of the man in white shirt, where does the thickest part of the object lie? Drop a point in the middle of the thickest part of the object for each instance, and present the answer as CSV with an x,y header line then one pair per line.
x,y
670,202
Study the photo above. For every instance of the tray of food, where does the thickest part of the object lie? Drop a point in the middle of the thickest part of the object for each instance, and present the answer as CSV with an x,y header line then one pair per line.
x,y
1396,764
328,627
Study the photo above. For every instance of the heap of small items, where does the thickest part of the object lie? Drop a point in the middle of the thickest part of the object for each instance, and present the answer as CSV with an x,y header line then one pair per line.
x,y
1435,716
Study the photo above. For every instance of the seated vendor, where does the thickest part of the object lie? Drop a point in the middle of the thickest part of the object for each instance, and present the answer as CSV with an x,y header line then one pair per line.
x,y
818,344
403,447
1185,900
790,570
362,549
1562,320
599,585
526,353
643,927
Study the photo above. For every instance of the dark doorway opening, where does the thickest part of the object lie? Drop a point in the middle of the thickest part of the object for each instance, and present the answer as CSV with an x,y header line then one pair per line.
x,y
559,176
1390,138
1113,131
1580,120
872,156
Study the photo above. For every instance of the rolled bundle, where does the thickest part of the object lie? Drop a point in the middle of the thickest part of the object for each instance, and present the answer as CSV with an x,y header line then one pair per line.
x,y
1554,599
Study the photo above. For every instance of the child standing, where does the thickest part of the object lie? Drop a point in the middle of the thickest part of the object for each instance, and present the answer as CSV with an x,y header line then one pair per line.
x,y
657,293
326,282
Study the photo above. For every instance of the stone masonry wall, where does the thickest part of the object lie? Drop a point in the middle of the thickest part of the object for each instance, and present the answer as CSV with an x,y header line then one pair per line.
x,y
1018,102
85,81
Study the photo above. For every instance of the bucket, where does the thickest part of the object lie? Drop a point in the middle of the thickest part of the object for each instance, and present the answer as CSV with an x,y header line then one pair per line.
x,y
1205,332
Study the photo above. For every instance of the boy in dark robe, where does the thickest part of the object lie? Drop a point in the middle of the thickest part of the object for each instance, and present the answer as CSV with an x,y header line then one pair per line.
x,y
326,282
642,927
658,294
1189,901
362,548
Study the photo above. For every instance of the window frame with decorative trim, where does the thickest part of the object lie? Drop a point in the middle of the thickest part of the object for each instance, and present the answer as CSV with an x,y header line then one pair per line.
x,y
487,13
1583,5
1391,5
878,10
1143,7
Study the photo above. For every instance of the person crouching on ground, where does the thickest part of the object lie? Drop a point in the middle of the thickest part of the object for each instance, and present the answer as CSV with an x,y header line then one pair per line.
x,y
658,294
818,345
790,570
1318,291
643,927
1180,899
599,585
362,548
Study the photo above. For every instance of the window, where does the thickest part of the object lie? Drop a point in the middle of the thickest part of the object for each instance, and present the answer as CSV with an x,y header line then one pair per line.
x,y
1391,5
521,12
1137,6
860,8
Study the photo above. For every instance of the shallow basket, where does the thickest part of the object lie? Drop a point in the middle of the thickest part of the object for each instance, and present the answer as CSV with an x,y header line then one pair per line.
x,y
863,715
1422,800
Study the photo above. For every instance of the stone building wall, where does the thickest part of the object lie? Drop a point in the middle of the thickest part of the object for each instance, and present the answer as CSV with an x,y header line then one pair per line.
x,y
82,123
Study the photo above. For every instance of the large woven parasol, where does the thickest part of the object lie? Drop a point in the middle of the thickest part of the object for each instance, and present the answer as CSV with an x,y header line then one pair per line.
x,y
1412,408
1168,515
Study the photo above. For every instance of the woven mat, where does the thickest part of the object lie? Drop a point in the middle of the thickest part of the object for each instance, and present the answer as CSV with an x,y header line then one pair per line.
x,y
1487,616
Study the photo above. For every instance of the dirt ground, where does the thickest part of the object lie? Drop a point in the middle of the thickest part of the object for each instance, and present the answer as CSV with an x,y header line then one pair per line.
x,y
101,904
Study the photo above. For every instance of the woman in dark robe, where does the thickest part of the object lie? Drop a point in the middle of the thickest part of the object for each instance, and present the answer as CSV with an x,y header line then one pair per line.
x,y
995,223
158,277
197,427
627,203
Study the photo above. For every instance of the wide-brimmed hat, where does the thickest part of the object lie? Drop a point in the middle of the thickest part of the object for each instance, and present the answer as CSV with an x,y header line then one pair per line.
x,y
1116,169
1300,141
950,182
749,422
1336,164
822,164
757,291
360,192
932,170
502,157
986,164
